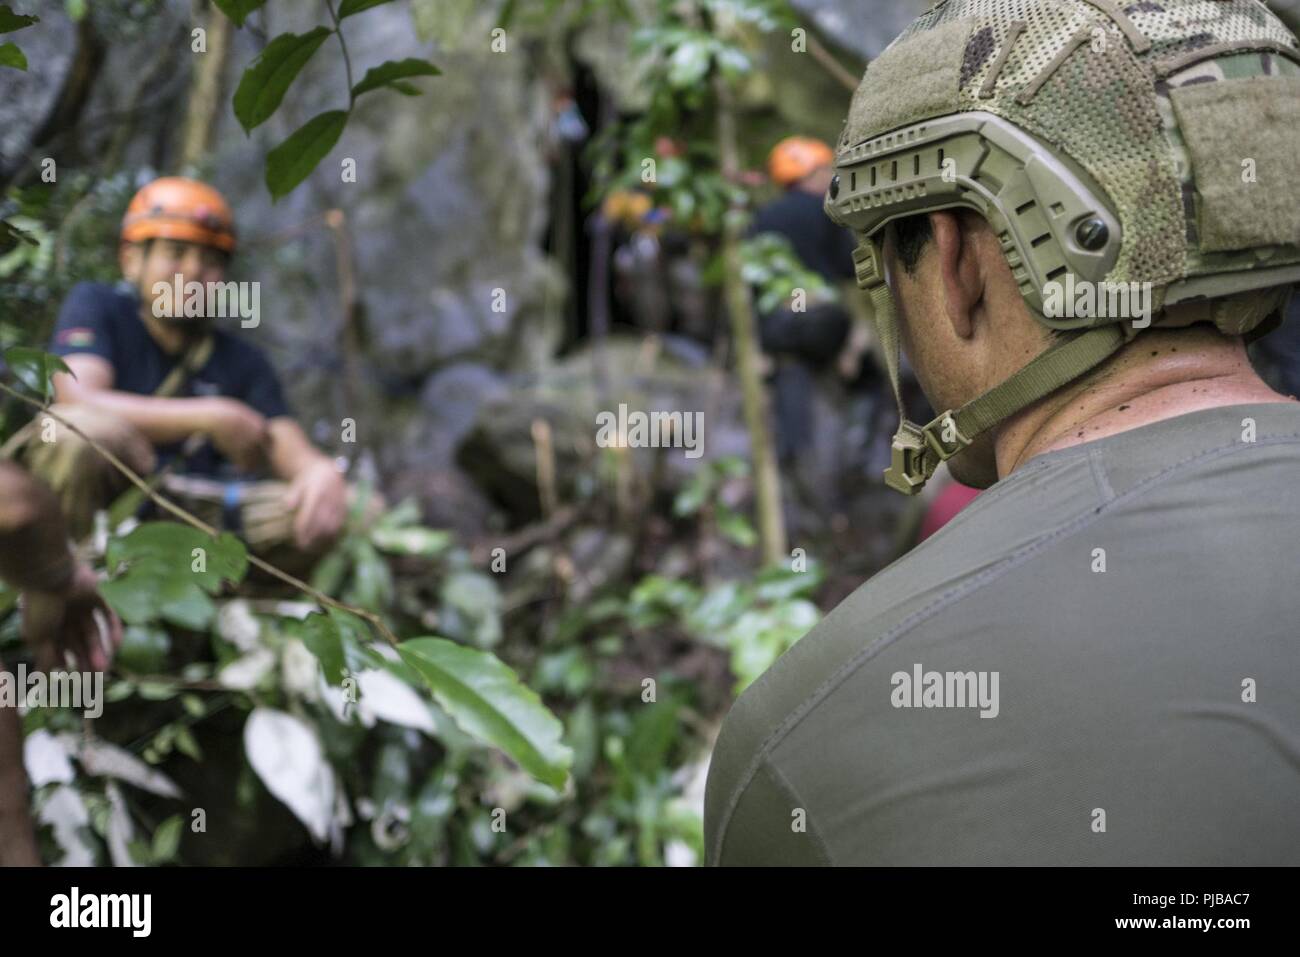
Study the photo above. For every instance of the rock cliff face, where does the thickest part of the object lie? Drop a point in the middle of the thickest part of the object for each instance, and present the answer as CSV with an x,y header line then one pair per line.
x,y
450,214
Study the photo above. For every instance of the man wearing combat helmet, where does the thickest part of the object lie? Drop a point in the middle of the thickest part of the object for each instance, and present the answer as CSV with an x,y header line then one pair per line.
x,y
1095,662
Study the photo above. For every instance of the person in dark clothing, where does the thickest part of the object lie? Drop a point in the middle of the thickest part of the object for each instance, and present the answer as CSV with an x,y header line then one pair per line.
x,y
1277,356
152,373
809,339
803,168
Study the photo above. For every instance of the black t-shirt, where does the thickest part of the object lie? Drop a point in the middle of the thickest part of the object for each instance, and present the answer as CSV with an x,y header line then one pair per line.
x,y
822,246
100,320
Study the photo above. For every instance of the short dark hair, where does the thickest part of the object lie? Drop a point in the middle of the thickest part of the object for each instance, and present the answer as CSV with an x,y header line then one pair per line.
x,y
911,233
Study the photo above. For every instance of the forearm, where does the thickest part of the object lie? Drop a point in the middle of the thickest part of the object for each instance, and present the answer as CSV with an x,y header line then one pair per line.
x,y
291,452
161,421
34,551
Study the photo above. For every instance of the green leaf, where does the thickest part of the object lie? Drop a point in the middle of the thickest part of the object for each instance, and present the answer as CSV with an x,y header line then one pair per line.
x,y
238,10
156,691
731,466
406,513
473,600
393,71
134,603
654,729
290,163
184,603
354,633
165,580
10,234
732,62
781,583
172,545
486,699
330,571
425,542
263,84
761,635
372,579
320,633
144,650
10,21
149,593
718,608
349,7
167,839
692,498
735,526
187,745
11,56
688,65
33,368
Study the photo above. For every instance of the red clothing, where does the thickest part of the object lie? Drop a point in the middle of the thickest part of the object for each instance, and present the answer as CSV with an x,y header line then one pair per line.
x,y
951,500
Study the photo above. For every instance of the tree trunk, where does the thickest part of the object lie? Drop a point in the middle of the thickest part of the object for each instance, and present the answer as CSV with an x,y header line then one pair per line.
x,y
767,480
205,90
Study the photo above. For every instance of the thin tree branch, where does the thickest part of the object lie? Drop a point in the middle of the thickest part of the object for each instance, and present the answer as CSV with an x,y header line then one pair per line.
x,y
375,620
832,65
347,61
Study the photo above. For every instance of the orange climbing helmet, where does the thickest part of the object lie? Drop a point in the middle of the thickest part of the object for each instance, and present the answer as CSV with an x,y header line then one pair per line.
x,y
177,208
795,157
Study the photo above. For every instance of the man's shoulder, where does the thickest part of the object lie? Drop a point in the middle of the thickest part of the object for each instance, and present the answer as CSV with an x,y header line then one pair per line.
x,y
1014,518
1017,570
92,316
1008,525
780,212
1027,537
90,299
1022,525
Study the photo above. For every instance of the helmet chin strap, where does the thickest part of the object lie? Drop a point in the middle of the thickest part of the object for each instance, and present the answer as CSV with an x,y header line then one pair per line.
x,y
917,450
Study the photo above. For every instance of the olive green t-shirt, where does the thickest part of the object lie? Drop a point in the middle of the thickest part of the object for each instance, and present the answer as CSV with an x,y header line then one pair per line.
x,y
1096,662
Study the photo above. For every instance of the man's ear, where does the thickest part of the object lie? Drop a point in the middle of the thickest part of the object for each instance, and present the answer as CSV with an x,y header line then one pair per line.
x,y
959,273
130,256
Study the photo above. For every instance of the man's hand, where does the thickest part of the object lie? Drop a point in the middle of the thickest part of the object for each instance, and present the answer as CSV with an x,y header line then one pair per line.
x,y
319,496
238,432
62,622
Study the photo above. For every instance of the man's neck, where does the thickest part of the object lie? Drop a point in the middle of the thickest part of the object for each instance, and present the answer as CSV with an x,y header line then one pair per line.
x,y
1160,375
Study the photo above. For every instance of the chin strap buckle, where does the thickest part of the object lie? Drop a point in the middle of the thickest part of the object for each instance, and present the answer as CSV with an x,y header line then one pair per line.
x,y
907,472
917,451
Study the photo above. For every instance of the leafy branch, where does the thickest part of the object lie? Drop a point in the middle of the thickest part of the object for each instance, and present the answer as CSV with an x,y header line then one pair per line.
x,y
266,81
343,45
480,692
373,619
10,54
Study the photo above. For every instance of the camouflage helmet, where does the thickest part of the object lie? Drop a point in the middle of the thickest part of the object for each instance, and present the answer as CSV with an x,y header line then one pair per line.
x,y
1107,144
